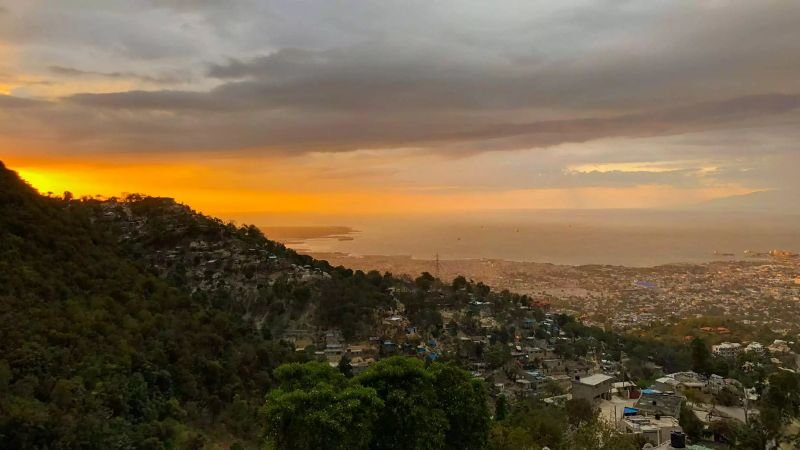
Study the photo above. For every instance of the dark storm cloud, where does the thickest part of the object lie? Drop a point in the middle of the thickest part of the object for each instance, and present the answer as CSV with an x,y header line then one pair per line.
x,y
181,120
705,60
459,77
665,122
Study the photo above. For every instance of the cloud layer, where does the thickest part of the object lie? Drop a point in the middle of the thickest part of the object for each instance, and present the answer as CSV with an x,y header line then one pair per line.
x,y
453,78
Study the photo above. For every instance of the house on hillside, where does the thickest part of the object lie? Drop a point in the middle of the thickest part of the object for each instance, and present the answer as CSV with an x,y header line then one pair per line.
x,y
656,403
593,387
625,389
680,382
654,430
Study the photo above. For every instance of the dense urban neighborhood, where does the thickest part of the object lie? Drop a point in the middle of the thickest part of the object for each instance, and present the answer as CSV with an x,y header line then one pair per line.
x,y
758,289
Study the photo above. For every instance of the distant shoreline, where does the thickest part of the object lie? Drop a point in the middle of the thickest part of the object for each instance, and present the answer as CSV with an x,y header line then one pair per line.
x,y
412,260
289,235
617,240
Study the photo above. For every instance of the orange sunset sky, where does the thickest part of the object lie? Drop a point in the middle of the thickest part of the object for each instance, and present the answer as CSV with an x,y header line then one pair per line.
x,y
403,106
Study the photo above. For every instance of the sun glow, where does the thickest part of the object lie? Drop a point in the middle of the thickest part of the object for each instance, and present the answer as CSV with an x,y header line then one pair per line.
x,y
227,189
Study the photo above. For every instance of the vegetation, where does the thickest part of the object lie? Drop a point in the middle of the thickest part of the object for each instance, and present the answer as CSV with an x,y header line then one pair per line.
x,y
707,329
317,397
396,404
691,425
533,425
104,347
120,338
96,352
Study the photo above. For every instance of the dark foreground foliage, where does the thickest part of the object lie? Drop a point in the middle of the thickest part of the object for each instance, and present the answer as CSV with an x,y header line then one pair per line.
x,y
95,352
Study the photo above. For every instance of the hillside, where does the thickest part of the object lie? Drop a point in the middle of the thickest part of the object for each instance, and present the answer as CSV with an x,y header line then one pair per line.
x,y
99,352
140,323
138,320
237,268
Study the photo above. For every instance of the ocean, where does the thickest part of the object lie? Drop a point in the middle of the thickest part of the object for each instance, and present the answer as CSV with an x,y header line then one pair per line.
x,y
619,237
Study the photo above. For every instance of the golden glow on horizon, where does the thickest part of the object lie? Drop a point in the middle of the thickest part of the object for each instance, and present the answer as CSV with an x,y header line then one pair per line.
x,y
224,191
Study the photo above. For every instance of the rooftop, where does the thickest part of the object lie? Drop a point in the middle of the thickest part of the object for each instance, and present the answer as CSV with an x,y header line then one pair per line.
x,y
594,380
654,402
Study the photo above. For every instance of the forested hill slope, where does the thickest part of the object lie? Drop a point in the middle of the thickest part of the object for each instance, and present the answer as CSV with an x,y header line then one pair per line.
x,y
140,323
97,351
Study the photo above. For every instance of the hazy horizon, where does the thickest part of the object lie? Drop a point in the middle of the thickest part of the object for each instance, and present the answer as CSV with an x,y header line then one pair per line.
x,y
630,238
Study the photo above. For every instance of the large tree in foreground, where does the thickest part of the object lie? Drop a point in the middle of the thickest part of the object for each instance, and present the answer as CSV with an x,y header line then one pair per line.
x,y
410,419
397,404
315,407
463,400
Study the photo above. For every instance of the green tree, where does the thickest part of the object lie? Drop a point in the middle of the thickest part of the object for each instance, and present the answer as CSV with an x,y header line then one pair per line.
x,y
600,435
783,395
463,400
692,426
579,411
508,437
552,388
701,357
345,367
501,408
544,426
459,283
5,376
296,376
780,405
724,430
727,396
410,419
425,281
753,436
498,355
321,417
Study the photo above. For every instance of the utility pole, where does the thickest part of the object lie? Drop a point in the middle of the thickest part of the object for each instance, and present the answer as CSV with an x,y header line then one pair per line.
x,y
437,264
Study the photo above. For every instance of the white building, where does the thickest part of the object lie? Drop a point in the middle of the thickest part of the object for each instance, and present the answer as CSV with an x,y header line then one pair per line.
x,y
655,431
727,349
756,348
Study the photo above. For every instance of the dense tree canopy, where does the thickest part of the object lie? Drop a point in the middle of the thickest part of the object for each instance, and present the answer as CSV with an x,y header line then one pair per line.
x,y
533,425
316,407
96,352
396,404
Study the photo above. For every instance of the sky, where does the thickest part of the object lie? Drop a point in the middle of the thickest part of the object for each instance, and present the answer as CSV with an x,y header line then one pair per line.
x,y
401,106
